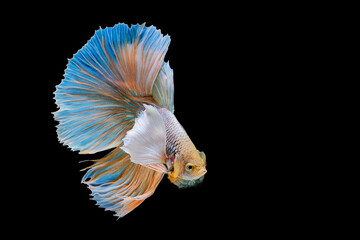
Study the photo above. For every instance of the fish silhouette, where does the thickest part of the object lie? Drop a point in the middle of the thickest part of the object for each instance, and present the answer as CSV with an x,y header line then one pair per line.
x,y
118,93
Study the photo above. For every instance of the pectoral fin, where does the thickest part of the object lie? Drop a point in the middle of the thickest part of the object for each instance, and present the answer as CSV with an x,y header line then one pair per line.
x,y
146,141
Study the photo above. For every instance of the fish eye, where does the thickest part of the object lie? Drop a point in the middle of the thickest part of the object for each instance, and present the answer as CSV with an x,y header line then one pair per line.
x,y
189,167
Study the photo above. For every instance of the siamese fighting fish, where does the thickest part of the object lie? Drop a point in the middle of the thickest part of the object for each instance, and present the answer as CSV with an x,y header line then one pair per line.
x,y
118,94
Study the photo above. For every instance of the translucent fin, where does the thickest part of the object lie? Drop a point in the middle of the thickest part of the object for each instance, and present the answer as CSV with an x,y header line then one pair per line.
x,y
119,185
163,91
146,141
104,83
91,122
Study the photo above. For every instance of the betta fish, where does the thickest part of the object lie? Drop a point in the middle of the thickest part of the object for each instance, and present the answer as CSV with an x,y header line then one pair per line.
x,y
118,94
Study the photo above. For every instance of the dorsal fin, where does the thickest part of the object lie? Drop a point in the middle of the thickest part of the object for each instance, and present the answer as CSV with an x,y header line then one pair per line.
x,y
163,91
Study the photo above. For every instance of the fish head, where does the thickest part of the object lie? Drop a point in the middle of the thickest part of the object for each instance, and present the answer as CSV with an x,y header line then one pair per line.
x,y
188,169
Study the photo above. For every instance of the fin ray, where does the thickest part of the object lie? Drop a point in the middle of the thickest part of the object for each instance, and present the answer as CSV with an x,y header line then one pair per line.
x,y
163,90
119,185
103,84
146,141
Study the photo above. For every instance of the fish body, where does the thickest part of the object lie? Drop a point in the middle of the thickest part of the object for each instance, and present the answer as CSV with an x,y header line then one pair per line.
x,y
118,93
189,165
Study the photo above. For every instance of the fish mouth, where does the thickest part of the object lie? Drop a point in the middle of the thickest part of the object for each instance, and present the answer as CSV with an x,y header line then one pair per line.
x,y
182,183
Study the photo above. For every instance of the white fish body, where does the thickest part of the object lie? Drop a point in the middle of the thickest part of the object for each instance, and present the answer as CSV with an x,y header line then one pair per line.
x,y
117,93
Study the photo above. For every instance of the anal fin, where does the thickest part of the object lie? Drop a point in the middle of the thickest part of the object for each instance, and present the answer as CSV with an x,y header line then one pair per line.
x,y
119,185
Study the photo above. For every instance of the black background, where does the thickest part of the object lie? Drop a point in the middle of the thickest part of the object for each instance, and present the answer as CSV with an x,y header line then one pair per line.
x,y
222,58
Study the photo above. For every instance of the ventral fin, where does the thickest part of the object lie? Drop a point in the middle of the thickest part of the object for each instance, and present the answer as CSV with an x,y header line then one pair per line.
x,y
146,141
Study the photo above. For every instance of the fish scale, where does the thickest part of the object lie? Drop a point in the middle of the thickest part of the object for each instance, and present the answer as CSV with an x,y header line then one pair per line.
x,y
177,140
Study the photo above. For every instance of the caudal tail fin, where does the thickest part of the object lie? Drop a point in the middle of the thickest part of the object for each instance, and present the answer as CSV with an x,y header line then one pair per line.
x,y
105,84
